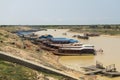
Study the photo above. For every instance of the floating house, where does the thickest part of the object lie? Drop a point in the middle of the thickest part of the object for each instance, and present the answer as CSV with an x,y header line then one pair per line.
x,y
23,33
75,35
91,34
83,37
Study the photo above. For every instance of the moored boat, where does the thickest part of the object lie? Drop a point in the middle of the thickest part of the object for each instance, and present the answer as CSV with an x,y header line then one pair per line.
x,y
83,37
76,50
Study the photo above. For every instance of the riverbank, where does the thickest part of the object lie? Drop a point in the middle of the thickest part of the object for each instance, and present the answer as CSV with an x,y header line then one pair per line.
x,y
109,44
69,64
13,44
101,31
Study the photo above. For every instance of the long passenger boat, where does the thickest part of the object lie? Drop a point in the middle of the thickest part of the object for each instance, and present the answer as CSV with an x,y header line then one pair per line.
x,y
65,46
76,50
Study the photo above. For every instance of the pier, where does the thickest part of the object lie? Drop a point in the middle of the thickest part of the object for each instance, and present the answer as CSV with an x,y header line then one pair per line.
x,y
99,69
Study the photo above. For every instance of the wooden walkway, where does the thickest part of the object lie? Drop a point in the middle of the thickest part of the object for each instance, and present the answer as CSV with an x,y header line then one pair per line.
x,y
111,74
92,70
98,68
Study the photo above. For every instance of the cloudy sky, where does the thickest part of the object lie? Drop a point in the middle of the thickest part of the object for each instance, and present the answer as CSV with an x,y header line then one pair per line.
x,y
59,12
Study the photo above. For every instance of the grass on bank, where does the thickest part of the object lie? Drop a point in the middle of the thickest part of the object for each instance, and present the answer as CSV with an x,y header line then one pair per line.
x,y
12,71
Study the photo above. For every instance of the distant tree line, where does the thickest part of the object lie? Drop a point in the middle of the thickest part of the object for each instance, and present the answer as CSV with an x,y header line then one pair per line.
x,y
104,26
67,26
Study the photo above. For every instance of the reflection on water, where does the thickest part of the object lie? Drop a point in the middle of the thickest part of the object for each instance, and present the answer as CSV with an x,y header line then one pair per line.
x,y
109,44
75,62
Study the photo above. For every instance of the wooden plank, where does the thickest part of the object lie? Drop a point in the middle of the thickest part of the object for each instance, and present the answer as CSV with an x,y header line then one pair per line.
x,y
93,72
93,67
111,73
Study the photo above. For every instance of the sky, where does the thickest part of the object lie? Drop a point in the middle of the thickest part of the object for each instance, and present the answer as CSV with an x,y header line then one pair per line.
x,y
59,12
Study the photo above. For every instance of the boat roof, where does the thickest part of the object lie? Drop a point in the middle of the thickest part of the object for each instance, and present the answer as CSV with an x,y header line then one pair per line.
x,y
66,45
87,45
64,39
65,48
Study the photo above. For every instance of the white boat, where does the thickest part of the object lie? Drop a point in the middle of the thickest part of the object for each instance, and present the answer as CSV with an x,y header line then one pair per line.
x,y
76,50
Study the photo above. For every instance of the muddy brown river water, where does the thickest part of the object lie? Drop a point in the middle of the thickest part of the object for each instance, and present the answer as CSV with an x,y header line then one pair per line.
x,y
109,44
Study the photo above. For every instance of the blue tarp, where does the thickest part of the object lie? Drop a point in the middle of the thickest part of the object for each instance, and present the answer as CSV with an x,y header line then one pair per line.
x,y
49,36
23,33
42,36
59,39
46,36
63,40
73,41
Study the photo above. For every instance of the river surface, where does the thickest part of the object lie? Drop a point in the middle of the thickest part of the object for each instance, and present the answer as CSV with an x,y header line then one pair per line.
x,y
109,44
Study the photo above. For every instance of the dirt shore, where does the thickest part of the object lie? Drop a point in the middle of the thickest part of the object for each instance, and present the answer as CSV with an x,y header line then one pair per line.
x,y
13,44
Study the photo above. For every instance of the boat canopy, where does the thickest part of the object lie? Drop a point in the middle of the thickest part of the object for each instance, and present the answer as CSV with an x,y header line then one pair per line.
x,y
45,36
63,40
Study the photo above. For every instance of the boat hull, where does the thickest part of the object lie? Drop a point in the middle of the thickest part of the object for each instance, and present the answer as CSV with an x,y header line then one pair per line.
x,y
72,53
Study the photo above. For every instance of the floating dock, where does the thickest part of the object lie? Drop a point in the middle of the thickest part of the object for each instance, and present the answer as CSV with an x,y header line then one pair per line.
x,y
92,70
99,69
